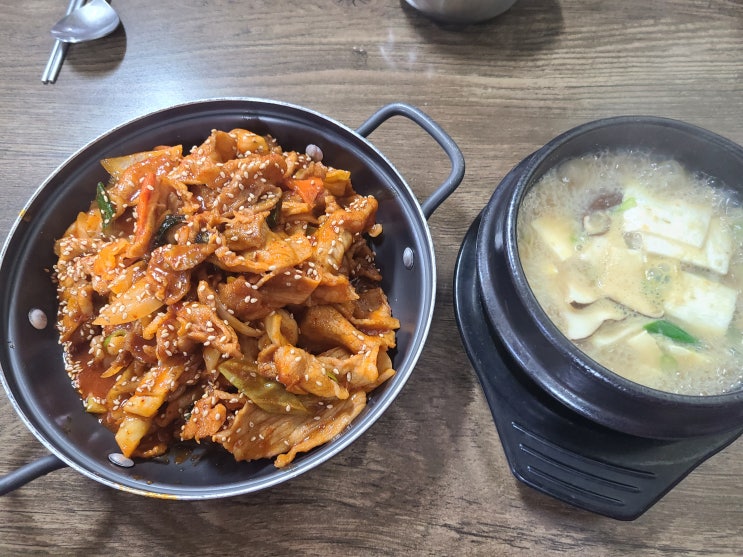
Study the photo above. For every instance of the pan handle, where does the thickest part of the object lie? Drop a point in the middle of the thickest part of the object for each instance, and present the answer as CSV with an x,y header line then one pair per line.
x,y
434,130
29,472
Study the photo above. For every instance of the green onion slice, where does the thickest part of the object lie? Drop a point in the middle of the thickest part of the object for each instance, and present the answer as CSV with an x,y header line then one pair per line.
x,y
116,333
626,204
671,331
104,204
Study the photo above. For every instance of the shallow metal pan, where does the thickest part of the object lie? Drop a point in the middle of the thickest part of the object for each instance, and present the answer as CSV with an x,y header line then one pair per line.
x,y
31,360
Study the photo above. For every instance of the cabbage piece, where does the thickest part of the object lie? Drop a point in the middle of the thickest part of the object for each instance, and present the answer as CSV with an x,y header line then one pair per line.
x,y
270,396
116,166
131,431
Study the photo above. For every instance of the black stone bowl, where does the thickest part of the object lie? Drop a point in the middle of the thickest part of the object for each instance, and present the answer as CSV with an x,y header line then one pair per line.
x,y
517,320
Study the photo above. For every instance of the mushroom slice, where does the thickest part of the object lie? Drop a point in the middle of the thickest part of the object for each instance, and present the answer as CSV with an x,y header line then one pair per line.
x,y
596,223
583,322
579,287
616,332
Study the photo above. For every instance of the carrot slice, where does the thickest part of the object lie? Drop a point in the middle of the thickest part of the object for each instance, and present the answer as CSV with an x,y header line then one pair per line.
x,y
307,189
146,217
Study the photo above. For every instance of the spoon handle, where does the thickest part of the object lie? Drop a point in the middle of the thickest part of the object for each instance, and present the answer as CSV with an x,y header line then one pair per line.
x,y
59,50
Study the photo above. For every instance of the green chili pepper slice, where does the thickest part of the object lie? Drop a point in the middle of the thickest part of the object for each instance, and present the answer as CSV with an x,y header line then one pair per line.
x,y
104,204
274,216
161,236
669,330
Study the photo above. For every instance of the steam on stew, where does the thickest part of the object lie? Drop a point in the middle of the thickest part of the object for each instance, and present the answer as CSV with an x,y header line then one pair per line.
x,y
640,263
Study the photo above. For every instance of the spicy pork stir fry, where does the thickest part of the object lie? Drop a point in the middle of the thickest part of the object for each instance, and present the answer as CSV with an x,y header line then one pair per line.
x,y
227,295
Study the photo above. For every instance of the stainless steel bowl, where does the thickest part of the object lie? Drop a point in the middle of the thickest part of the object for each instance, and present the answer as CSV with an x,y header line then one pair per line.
x,y
461,11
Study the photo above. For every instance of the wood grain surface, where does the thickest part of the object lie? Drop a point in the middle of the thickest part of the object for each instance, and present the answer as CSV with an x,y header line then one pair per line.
x,y
430,477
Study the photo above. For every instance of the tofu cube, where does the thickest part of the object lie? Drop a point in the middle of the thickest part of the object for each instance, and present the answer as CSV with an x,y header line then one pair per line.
x,y
704,306
673,219
557,233
714,255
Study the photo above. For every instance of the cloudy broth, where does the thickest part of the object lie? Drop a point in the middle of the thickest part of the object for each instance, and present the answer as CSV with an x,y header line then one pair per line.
x,y
639,262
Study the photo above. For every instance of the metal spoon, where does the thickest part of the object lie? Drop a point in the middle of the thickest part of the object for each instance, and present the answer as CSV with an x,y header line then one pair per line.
x,y
94,20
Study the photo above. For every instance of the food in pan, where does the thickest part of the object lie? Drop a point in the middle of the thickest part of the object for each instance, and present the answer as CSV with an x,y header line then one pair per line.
x,y
639,262
228,295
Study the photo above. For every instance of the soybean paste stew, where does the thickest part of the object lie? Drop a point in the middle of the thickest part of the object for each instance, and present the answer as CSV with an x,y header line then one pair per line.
x,y
638,261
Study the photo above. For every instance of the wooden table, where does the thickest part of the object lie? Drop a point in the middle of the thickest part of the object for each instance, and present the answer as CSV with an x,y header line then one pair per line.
x,y
430,476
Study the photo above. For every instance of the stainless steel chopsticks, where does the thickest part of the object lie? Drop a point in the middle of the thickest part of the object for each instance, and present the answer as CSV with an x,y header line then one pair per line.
x,y
59,50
